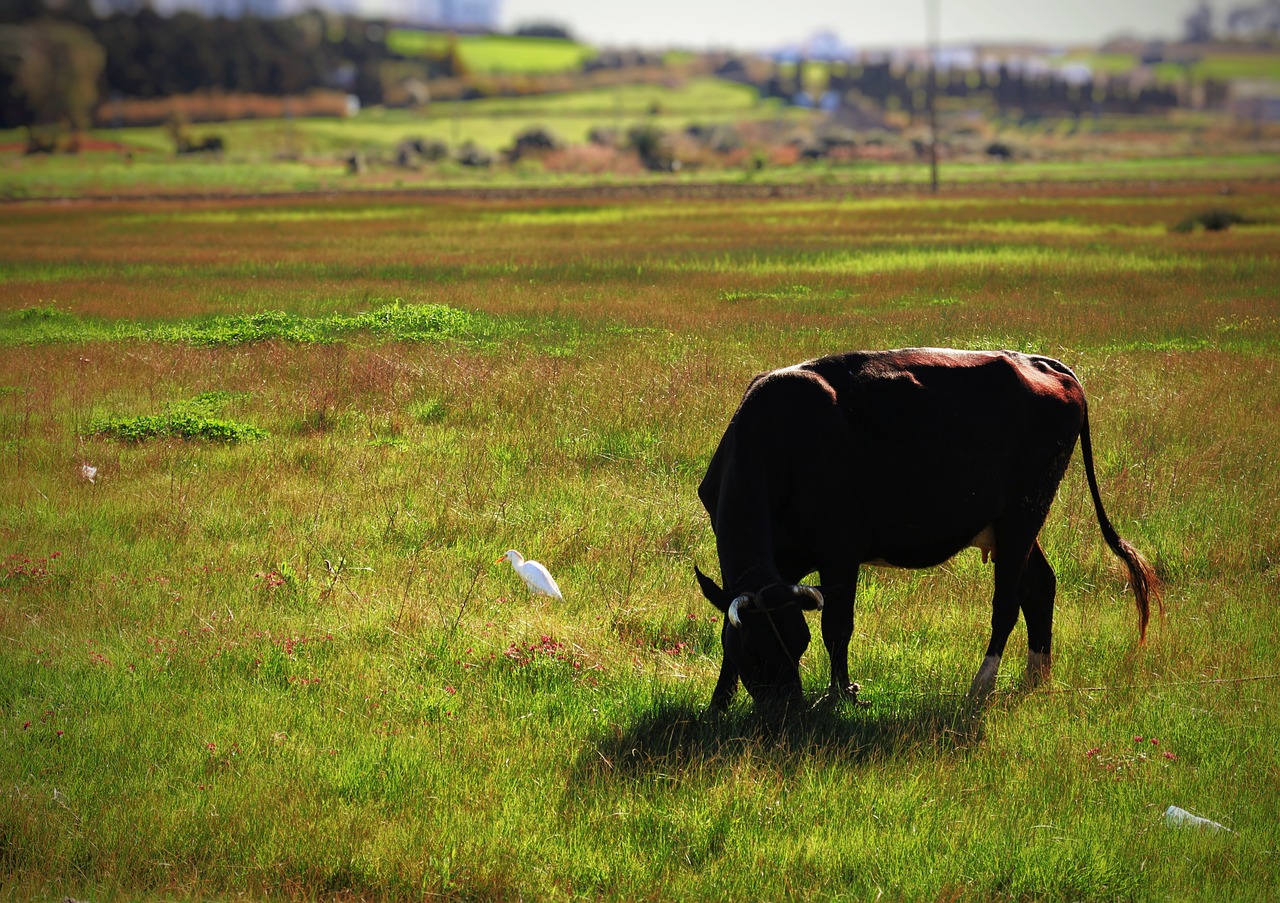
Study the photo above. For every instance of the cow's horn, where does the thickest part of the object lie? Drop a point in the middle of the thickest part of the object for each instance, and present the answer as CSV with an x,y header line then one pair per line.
x,y
737,605
812,593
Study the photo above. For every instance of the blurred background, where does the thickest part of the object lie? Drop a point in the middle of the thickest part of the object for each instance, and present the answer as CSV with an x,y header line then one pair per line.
x,y
421,90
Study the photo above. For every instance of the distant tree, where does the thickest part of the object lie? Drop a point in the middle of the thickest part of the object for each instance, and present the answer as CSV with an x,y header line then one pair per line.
x,y
148,55
53,67
455,65
544,30
20,12
652,146
1198,25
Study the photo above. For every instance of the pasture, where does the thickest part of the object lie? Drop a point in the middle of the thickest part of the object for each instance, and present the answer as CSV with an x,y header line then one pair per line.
x,y
266,650
311,153
496,53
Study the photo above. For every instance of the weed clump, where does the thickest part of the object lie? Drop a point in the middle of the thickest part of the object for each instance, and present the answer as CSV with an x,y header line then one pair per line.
x,y
194,419
397,321
1214,220
415,322
40,324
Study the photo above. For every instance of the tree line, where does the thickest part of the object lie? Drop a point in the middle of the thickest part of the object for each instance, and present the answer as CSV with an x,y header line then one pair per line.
x,y
1007,89
57,64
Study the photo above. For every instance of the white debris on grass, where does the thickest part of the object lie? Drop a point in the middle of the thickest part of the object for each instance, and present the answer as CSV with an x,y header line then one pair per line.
x,y
1178,817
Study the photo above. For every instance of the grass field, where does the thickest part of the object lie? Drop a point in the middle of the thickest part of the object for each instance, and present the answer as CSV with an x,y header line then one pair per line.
x,y
496,53
309,154
158,174
1217,66
266,651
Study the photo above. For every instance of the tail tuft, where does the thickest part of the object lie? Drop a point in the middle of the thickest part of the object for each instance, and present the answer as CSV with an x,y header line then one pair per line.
x,y
1142,577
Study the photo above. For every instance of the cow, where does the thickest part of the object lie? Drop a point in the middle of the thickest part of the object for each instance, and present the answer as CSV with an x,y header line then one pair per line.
x,y
899,458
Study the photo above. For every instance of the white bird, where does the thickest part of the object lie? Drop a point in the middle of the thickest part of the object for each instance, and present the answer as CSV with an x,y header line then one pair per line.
x,y
534,575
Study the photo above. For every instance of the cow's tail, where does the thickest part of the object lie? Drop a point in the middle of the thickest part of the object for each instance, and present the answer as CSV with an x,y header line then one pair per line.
x,y
1143,579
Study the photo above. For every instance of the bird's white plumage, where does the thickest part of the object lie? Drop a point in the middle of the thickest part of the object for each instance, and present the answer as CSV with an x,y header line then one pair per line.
x,y
534,575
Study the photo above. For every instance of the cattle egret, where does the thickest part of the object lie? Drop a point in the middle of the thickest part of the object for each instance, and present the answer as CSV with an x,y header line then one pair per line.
x,y
534,575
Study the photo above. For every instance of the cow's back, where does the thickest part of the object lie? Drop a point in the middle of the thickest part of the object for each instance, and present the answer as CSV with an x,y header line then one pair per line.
x,y
943,443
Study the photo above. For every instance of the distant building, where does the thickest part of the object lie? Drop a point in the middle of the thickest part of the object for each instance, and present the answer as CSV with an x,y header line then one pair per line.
x,y
1255,100
231,9
462,15
1260,21
822,46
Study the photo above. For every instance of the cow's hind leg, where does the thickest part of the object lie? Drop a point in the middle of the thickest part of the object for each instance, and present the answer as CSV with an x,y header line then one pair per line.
x,y
1039,585
1011,560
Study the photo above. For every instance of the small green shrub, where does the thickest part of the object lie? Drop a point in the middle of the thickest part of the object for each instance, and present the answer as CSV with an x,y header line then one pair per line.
x,y
401,322
1214,220
429,411
40,314
194,419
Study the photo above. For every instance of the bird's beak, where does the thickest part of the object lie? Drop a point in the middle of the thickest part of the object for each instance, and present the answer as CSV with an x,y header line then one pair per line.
x,y
502,558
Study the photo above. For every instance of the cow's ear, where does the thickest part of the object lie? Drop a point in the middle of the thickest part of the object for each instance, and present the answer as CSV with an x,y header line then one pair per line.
x,y
715,595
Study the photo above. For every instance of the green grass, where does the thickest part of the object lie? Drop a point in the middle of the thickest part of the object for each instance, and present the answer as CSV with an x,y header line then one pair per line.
x,y
309,155
290,668
491,54
106,175
1217,66
392,322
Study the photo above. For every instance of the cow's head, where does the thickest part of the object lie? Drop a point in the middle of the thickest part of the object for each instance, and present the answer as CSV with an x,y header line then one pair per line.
x,y
764,634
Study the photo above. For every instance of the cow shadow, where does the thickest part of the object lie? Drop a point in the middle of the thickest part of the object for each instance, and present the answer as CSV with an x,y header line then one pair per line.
x,y
673,736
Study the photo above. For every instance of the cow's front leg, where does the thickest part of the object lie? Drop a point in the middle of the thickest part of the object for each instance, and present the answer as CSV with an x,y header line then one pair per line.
x,y
726,687
837,631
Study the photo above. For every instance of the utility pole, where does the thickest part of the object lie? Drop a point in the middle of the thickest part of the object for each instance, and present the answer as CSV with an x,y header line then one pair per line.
x,y
931,42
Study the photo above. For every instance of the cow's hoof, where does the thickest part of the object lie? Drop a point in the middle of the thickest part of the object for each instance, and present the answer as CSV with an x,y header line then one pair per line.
x,y
847,695
1039,666
985,680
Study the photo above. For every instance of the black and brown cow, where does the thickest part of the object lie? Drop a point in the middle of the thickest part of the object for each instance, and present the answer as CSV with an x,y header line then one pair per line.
x,y
898,458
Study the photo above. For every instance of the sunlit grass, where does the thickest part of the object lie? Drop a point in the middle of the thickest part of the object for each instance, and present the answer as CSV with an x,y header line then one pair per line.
x,y
496,53
856,263
294,661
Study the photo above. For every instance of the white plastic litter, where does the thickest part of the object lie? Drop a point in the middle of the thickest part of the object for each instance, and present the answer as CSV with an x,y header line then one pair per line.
x,y
1181,818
